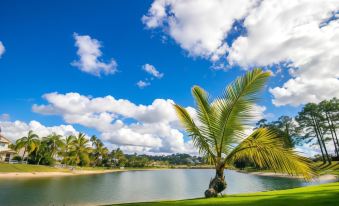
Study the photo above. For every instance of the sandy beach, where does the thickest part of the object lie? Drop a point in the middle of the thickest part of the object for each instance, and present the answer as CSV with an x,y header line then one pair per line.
x,y
55,174
4,175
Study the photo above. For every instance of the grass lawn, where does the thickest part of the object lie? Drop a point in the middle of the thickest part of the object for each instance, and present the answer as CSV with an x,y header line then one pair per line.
x,y
326,194
320,167
4,167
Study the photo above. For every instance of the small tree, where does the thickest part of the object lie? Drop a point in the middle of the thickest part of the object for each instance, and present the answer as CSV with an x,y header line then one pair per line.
x,y
220,124
29,143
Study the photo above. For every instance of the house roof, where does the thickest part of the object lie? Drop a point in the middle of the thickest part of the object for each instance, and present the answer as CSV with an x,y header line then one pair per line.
x,y
4,139
7,151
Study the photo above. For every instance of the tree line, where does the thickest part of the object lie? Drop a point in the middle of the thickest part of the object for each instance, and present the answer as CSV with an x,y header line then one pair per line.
x,y
82,151
315,124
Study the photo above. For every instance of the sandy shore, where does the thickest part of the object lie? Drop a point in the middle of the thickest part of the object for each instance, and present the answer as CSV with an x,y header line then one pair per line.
x,y
55,174
4,175
272,174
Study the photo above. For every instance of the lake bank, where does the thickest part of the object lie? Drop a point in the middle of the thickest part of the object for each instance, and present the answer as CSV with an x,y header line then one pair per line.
x,y
325,194
324,177
54,174
36,171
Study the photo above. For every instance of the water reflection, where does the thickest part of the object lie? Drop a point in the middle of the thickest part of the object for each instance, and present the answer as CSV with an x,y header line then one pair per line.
x,y
130,187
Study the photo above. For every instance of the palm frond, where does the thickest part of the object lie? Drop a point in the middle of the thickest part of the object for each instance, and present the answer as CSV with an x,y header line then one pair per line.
x,y
265,148
206,116
199,140
234,107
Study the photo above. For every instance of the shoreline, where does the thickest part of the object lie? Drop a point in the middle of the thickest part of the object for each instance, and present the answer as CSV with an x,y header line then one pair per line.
x,y
325,177
9,175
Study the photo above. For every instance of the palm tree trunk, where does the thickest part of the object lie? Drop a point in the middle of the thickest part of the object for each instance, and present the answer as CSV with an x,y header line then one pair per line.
x,y
39,160
23,156
217,184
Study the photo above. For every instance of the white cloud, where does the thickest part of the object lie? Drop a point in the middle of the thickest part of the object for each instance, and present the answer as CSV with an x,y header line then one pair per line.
x,y
152,70
142,84
292,33
17,129
150,128
154,127
299,34
89,53
198,26
2,49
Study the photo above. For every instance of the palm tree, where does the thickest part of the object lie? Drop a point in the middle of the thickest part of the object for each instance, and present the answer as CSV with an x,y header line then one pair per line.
x,y
55,143
69,150
81,149
99,152
118,157
219,127
69,143
29,143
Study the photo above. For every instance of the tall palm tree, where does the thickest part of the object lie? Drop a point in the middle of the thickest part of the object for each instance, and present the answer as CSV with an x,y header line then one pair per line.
x,y
29,143
81,149
218,131
69,150
99,150
55,143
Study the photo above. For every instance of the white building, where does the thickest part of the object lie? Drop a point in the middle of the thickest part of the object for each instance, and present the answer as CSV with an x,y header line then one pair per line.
x,y
6,154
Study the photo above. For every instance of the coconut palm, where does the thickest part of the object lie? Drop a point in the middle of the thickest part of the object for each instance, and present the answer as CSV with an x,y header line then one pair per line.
x,y
69,143
81,149
99,151
69,150
219,125
55,143
29,143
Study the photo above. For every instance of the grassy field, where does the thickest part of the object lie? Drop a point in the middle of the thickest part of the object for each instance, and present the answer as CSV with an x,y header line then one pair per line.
x,y
320,167
4,167
326,194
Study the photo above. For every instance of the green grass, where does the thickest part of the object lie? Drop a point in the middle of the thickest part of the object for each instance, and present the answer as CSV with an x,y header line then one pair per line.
x,y
4,167
326,194
321,168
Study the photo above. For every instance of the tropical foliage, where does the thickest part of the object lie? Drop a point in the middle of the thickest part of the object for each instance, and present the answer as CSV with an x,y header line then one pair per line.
x,y
83,151
218,128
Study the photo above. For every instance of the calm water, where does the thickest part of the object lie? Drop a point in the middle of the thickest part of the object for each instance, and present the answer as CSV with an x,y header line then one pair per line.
x,y
130,187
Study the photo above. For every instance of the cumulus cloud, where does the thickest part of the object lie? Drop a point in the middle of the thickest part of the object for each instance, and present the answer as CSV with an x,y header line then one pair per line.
x,y
2,49
299,35
89,53
142,84
154,127
198,26
17,129
152,70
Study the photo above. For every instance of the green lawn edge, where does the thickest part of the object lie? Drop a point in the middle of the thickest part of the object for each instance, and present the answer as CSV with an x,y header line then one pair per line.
x,y
324,194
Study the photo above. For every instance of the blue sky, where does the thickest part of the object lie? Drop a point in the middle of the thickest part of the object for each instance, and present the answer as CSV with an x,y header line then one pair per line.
x,y
39,42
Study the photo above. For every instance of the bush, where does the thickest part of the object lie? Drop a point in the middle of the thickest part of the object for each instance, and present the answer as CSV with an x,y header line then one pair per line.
x,y
17,158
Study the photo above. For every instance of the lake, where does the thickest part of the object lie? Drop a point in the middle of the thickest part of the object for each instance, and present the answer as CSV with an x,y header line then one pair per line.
x,y
131,186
